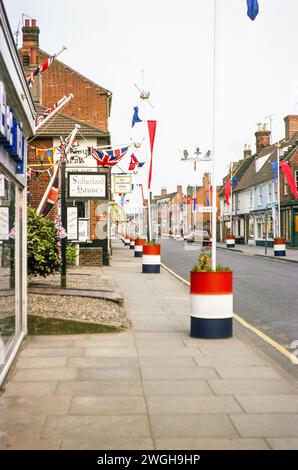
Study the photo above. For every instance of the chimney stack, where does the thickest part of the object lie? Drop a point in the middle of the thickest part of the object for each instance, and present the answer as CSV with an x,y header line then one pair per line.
x,y
246,151
262,137
30,43
291,124
163,192
179,189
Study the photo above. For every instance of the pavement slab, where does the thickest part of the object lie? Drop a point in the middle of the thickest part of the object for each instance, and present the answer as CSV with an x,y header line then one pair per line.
x,y
150,387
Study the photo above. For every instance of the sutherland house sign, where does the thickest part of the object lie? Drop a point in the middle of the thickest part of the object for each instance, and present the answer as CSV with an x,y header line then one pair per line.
x,y
87,186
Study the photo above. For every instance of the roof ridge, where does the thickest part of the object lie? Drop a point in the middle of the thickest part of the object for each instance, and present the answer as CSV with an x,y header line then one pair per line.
x,y
79,73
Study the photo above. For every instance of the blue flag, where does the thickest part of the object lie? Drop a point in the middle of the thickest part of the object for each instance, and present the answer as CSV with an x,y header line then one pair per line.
x,y
194,203
234,180
252,8
123,199
135,117
274,166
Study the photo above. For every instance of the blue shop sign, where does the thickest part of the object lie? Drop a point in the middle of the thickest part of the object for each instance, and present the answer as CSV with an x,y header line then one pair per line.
x,y
11,133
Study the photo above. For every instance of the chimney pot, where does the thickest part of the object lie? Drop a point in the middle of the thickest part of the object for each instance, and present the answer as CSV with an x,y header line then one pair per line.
x,y
27,23
33,23
291,125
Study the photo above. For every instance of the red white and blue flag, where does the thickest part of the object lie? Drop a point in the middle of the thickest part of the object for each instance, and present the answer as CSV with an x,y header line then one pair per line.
x,y
40,69
134,162
53,193
48,111
109,157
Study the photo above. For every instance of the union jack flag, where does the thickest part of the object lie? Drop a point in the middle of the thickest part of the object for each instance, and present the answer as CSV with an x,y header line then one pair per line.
x,y
48,111
108,157
40,69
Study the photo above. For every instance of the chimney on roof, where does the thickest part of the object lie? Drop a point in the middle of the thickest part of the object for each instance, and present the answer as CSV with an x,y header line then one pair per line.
x,y
179,189
291,125
30,43
163,192
262,137
246,151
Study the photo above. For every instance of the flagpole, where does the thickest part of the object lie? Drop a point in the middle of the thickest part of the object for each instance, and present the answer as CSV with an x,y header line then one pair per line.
x,y
278,188
56,110
44,198
214,192
231,212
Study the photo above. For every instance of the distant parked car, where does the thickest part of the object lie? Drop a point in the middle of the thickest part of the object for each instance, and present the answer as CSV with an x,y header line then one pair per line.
x,y
199,236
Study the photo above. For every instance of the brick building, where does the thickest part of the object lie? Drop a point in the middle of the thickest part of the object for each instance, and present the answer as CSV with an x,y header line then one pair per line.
x,y
90,108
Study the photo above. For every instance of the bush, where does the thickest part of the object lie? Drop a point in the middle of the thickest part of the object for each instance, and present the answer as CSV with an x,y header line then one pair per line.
x,y
204,264
152,243
70,254
43,253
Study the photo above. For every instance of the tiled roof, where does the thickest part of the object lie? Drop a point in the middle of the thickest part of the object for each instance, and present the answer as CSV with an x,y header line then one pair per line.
x,y
61,125
252,177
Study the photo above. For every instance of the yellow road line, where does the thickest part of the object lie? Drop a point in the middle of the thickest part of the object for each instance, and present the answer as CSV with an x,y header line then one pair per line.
x,y
281,349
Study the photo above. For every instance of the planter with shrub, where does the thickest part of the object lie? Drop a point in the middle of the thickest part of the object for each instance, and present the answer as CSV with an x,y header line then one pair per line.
x,y
139,243
151,258
211,300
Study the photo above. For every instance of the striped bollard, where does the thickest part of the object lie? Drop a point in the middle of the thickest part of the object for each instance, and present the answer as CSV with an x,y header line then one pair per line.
x,y
126,241
211,304
279,246
151,259
230,240
132,244
139,243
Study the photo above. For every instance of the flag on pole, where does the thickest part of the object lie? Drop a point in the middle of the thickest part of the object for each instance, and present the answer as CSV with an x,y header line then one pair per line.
x,y
252,9
46,113
289,177
135,117
228,186
234,181
40,69
151,129
53,192
134,162
274,167
109,157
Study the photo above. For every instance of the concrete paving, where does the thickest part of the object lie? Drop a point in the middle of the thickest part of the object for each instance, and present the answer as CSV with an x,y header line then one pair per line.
x,y
152,387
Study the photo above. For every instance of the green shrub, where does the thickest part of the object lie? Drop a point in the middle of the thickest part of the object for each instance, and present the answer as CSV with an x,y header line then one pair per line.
x,y
204,264
152,243
42,243
70,254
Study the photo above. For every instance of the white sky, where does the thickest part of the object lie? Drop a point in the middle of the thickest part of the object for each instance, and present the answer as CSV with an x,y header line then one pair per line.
x,y
111,41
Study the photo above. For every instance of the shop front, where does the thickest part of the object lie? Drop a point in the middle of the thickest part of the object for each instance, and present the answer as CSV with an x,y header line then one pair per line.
x,y
16,125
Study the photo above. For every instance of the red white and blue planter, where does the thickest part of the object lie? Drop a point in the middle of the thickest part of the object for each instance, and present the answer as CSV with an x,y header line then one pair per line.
x,y
230,241
126,241
211,305
151,259
139,243
132,244
279,246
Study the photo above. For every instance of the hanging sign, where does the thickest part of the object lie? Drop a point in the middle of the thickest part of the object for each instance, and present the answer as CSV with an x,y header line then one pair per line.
x,y
87,186
4,223
72,223
122,184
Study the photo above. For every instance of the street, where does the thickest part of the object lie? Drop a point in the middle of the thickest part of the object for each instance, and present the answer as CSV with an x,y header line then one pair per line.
x,y
264,289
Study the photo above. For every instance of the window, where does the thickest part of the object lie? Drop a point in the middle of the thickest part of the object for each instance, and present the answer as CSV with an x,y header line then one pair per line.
x,y
296,178
250,198
275,191
269,193
260,197
286,187
26,60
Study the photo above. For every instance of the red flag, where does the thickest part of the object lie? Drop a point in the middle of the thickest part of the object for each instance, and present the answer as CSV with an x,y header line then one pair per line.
x,y
228,191
151,129
133,162
289,177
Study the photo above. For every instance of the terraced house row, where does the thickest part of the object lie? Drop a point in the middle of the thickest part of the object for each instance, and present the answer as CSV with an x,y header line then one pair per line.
x,y
252,212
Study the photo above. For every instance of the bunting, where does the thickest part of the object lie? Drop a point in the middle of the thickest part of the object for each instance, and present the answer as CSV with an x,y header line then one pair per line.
x,y
134,162
135,117
40,69
289,177
252,9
